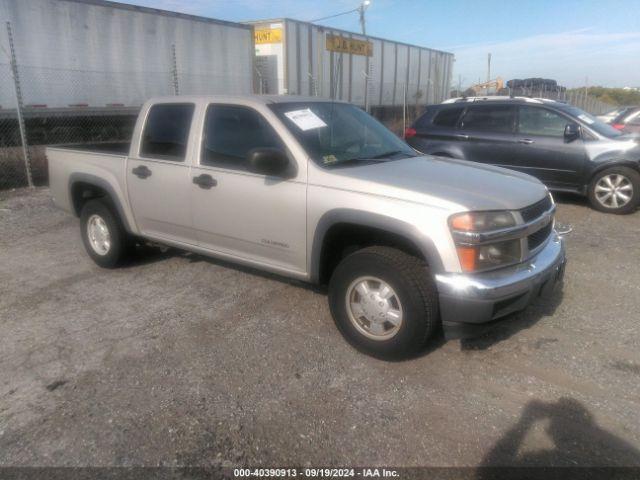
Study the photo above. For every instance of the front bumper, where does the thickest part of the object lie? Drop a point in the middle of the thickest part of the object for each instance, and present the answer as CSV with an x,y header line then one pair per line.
x,y
471,303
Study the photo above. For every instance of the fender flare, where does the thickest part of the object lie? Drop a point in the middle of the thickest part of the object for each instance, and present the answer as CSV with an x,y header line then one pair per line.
x,y
612,163
101,183
373,220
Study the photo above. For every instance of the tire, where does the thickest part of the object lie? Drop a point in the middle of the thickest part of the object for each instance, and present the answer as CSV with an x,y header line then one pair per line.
x,y
627,182
99,216
413,294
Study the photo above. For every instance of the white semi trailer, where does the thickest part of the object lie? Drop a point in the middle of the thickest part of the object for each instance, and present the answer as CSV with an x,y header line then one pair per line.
x,y
294,57
76,54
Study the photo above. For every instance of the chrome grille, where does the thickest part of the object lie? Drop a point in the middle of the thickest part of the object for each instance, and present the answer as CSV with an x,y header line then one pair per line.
x,y
537,238
534,211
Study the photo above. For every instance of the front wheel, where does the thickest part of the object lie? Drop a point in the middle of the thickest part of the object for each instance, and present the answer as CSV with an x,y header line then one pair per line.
x,y
615,190
384,302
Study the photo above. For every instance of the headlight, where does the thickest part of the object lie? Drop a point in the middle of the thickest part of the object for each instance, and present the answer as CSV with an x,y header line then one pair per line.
x,y
491,255
482,221
484,256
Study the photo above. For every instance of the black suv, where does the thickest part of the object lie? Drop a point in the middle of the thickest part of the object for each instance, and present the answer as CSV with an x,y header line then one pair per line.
x,y
565,147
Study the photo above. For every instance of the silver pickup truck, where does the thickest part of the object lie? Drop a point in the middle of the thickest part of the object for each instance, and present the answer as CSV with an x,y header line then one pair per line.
x,y
320,191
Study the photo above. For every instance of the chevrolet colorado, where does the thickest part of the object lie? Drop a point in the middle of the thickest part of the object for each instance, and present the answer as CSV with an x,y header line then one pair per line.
x,y
320,191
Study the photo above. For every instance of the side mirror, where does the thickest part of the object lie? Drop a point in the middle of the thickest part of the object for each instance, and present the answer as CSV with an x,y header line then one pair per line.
x,y
571,132
267,161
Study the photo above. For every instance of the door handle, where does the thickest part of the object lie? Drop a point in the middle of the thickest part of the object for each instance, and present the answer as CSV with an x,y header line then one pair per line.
x,y
205,181
461,136
526,141
141,172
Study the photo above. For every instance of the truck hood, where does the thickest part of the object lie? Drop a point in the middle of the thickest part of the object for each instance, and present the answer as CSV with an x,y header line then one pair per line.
x,y
448,183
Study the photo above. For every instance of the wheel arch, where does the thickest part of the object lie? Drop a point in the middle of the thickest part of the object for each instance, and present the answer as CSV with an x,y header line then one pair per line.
x,y
611,163
340,229
84,187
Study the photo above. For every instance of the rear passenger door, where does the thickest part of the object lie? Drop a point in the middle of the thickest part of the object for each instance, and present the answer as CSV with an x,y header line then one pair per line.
x,y
256,217
487,133
542,151
158,180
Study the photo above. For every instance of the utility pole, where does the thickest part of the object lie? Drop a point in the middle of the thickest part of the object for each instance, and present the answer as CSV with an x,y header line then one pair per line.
x,y
361,9
488,67
586,88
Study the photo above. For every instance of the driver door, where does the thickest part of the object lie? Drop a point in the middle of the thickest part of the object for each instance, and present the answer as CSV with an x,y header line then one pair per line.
x,y
542,151
236,212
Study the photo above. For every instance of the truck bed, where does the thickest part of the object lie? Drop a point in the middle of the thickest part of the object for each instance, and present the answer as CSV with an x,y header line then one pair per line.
x,y
105,161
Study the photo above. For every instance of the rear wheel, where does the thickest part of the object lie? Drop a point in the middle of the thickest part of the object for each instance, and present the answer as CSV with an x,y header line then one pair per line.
x,y
384,302
104,237
615,190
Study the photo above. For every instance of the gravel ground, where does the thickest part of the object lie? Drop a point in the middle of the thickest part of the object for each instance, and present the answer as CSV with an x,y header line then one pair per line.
x,y
182,360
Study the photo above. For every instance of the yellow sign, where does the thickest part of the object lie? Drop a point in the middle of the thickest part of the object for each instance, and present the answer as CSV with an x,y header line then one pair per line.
x,y
336,43
269,35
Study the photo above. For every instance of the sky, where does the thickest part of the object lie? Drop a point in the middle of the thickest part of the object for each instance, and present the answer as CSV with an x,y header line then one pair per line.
x,y
575,42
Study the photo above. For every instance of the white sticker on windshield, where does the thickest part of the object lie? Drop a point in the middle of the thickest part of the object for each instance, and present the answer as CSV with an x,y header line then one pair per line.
x,y
586,118
305,119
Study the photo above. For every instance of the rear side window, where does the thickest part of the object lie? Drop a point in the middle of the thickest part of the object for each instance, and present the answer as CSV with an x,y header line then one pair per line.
x,y
166,131
448,117
633,119
230,132
489,118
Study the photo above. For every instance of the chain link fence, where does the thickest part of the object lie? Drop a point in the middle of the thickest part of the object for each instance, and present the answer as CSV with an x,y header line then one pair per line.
x,y
13,168
75,106
577,97
65,106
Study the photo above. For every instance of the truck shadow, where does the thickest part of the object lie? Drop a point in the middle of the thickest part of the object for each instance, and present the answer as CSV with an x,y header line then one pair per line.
x,y
558,434
569,198
510,325
147,254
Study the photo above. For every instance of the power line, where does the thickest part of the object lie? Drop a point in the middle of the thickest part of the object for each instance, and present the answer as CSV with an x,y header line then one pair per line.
x,y
361,9
335,15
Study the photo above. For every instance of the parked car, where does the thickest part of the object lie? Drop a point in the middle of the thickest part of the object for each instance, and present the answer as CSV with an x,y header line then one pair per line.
x,y
616,112
563,146
628,122
321,192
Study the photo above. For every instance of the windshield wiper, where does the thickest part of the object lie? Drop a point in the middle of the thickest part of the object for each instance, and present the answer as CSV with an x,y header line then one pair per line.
x,y
380,158
389,154
353,160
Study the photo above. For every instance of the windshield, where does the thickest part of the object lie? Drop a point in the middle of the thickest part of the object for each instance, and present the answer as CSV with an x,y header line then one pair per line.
x,y
595,124
339,134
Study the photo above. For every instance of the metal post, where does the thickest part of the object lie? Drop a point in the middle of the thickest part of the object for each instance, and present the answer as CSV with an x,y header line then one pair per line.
x,y
19,106
366,92
174,67
260,81
404,109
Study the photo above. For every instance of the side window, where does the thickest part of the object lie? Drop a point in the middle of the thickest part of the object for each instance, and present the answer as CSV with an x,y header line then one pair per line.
x,y
489,118
633,119
166,131
448,117
540,121
230,132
